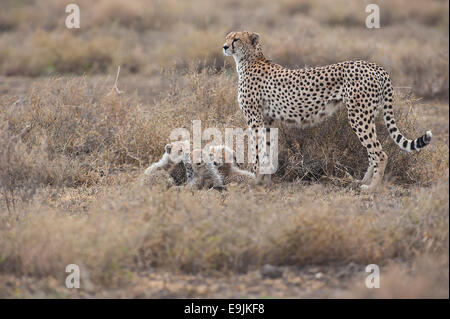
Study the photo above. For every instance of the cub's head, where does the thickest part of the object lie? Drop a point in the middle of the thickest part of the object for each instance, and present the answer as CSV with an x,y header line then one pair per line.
x,y
241,44
222,154
177,151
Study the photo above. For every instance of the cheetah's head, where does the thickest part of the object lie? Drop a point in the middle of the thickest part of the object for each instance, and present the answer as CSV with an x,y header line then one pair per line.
x,y
241,44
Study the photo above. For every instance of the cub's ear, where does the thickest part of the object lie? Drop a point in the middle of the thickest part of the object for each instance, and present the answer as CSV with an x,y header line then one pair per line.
x,y
254,38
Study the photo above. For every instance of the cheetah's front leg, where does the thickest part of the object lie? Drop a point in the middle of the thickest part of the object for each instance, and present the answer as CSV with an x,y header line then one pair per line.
x,y
257,134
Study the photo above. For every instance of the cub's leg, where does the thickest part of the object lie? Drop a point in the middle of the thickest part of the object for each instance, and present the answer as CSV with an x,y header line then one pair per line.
x,y
220,154
237,171
191,177
162,163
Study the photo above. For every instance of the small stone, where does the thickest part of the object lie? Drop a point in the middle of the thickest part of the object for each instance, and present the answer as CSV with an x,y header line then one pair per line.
x,y
313,270
272,272
140,295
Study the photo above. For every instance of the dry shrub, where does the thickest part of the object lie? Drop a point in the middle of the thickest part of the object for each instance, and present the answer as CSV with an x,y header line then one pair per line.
x,y
78,120
59,142
26,168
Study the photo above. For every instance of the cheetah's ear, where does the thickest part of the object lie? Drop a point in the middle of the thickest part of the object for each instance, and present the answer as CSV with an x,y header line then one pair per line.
x,y
254,38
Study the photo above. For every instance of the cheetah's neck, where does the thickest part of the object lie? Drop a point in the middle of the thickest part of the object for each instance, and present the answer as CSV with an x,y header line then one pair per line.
x,y
243,62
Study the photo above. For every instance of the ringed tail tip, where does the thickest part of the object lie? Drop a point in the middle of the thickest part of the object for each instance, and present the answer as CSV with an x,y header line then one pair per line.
x,y
428,136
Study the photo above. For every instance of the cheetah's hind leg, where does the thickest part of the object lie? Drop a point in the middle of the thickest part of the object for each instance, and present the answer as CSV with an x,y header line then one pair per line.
x,y
378,173
367,176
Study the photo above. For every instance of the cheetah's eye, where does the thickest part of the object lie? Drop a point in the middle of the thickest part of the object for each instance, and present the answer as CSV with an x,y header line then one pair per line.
x,y
232,43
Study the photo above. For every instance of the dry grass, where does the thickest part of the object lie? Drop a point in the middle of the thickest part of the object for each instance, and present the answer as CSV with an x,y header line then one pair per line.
x,y
145,36
73,151
132,227
69,136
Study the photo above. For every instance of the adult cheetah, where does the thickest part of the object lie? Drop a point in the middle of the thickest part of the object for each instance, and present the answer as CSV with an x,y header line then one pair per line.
x,y
268,92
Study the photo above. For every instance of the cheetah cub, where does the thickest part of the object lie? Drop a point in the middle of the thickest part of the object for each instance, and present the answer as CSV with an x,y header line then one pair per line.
x,y
225,160
176,168
169,170
219,163
204,174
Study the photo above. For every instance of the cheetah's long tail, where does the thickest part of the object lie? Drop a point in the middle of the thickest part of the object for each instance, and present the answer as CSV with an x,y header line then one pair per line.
x,y
399,139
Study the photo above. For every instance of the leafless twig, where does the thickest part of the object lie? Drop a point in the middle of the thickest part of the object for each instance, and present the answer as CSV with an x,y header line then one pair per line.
x,y
115,88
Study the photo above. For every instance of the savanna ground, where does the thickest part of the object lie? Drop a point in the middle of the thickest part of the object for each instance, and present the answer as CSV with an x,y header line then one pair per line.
x,y
72,152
